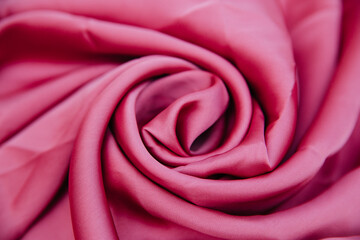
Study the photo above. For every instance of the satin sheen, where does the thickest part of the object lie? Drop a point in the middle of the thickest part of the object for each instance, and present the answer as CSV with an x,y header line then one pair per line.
x,y
179,119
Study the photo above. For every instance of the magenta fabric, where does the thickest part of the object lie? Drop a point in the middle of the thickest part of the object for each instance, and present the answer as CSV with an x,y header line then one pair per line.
x,y
189,119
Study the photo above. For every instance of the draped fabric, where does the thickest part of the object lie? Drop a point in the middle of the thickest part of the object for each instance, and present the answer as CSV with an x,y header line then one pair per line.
x,y
187,119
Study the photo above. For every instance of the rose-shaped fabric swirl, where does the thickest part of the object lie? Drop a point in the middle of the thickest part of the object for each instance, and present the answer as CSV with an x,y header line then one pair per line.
x,y
179,119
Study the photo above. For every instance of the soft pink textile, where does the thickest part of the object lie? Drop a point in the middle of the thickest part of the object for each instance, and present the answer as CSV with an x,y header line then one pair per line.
x,y
185,119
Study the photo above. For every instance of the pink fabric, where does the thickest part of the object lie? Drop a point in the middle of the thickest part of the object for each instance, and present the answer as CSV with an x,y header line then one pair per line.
x,y
179,119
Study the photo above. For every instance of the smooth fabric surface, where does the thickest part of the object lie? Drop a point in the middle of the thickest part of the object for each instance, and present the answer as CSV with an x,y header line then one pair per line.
x,y
179,119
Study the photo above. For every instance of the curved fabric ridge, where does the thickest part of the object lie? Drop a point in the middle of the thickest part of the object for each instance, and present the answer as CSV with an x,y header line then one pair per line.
x,y
192,120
